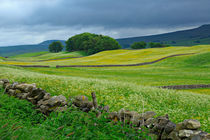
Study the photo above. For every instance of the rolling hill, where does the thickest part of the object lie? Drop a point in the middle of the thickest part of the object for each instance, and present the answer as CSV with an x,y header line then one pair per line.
x,y
197,36
132,88
20,49
113,57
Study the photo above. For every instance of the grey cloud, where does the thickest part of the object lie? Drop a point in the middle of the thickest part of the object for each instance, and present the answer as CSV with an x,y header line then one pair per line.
x,y
57,19
124,13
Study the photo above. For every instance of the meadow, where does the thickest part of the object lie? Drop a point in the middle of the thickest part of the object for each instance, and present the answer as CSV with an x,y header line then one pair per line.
x,y
107,57
132,88
41,56
19,120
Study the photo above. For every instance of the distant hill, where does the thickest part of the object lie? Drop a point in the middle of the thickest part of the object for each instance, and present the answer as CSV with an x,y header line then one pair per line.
x,y
197,36
20,49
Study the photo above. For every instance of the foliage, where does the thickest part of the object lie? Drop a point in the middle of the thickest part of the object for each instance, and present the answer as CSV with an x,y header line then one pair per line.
x,y
139,45
91,43
55,47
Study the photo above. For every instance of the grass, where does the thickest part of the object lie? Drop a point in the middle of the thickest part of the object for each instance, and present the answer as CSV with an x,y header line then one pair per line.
x,y
179,105
18,120
2,58
129,87
172,71
34,54
114,56
46,55
205,91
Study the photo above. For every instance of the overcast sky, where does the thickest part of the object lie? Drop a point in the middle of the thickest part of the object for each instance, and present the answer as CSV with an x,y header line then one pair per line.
x,y
33,21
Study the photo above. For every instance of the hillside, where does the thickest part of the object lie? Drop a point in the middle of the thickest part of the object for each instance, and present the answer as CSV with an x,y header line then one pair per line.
x,y
20,49
197,36
43,56
113,57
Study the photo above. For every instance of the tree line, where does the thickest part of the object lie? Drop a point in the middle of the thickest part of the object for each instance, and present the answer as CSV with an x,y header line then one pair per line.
x,y
143,45
93,43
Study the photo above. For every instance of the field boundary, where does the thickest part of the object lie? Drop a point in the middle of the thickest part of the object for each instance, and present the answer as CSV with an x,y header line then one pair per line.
x,y
33,66
120,65
124,65
186,86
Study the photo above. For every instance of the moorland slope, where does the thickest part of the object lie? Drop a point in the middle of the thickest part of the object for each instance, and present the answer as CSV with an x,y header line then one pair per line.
x,y
196,36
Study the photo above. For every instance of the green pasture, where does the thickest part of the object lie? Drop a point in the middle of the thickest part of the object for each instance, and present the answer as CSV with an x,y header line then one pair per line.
x,y
179,105
132,88
108,57
45,56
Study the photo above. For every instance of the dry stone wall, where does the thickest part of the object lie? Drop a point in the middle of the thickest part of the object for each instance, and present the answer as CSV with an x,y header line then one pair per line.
x,y
160,126
186,86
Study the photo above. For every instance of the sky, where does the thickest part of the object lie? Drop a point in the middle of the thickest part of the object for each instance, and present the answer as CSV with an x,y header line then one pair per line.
x,y
34,21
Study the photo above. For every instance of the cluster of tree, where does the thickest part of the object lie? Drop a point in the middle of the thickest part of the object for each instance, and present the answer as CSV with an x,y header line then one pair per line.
x,y
55,47
91,43
143,45
139,45
157,45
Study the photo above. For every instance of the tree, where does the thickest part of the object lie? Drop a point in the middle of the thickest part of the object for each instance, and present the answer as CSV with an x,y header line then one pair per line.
x,y
55,47
139,45
91,43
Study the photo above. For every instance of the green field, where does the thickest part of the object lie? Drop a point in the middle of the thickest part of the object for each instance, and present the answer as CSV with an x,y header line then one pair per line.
x,y
108,57
45,56
131,88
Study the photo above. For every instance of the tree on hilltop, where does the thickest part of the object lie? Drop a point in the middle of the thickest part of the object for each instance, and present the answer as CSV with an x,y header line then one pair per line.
x,y
55,47
91,43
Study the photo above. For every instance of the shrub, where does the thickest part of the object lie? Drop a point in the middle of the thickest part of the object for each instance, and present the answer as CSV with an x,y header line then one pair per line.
x,y
139,45
157,45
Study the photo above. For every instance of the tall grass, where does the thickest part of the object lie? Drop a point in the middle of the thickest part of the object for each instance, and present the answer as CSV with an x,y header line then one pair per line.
x,y
18,120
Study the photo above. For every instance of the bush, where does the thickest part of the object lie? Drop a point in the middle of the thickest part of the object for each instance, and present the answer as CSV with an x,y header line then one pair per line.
x,y
139,45
55,47
157,45
91,43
